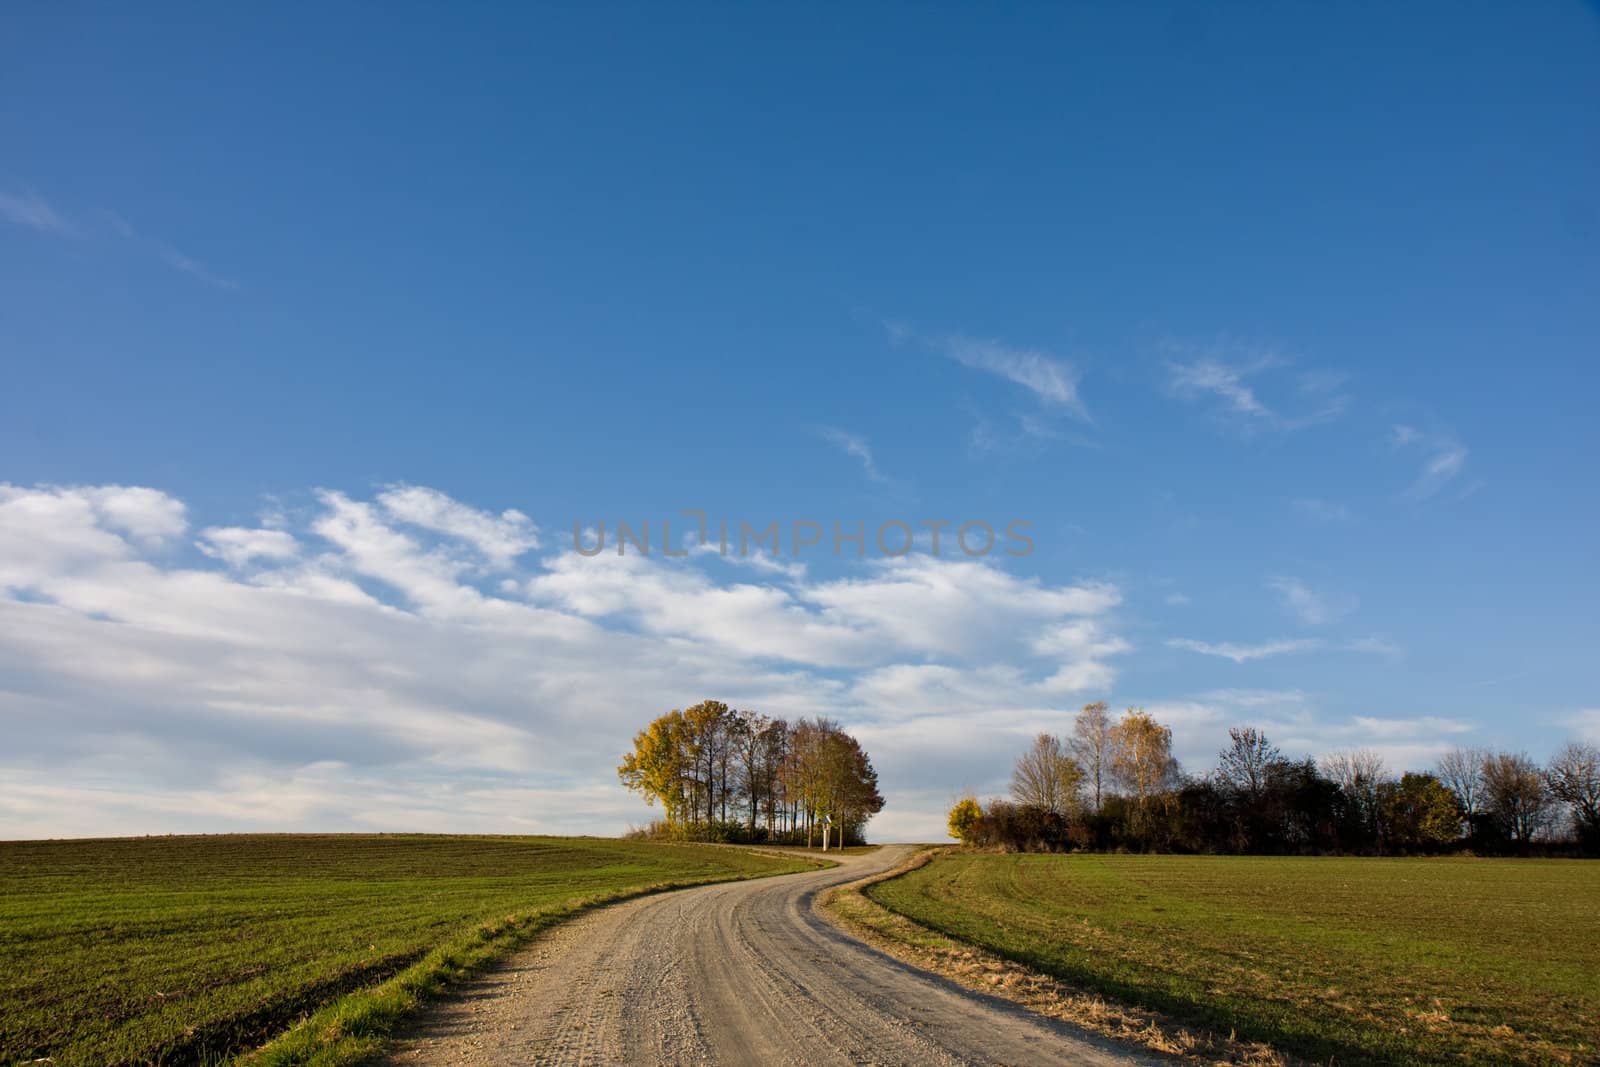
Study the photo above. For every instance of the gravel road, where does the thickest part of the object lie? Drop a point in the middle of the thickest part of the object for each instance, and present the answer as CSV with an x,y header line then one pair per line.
x,y
738,973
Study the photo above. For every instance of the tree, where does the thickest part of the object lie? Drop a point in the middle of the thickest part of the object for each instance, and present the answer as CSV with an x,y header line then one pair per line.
x,y
657,767
748,747
850,784
1461,771
705,760
1574,779
1419,812
1244,763
1141,759
1302,807
774,740
803,771
1244,776
1359,774
1046,777
710,747
1516,793
964,819
1091,746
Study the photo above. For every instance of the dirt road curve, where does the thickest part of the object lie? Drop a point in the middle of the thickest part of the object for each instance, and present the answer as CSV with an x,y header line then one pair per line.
x,y
741,973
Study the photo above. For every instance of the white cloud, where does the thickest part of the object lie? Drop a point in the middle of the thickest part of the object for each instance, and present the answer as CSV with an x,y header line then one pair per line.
x,y
1376,646
854,445
931,606
1390,729
1294,722
1309,606
763,562
60,529
1324,511
370,548
1586,722
1053,381
30,210
190,266
147,514
912,606
1245,653
1218,379
341,672
1226,375
500,538
1444,457
238,546
1257,698
34,212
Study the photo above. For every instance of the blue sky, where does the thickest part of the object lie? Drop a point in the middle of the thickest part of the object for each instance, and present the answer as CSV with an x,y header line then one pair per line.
x,y
1279,326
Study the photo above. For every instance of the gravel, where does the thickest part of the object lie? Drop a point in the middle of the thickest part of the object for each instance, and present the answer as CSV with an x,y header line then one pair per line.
x,y
738,973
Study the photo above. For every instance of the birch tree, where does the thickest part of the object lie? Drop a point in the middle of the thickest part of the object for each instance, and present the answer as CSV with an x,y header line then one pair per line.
x,y
1091,747
1046,776
1141,759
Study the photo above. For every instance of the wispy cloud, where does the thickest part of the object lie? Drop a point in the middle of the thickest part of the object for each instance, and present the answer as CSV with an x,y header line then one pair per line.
x,y
1444,457
1325,511
1311,607
1245,653
1209,376
1053,381
1295,722
1586,722
31,210
195,269
853,445
1376,646
172,257
1227,377
1257,698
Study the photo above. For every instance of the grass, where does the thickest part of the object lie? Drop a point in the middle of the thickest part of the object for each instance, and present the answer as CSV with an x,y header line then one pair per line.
x,y
1327,959
185,950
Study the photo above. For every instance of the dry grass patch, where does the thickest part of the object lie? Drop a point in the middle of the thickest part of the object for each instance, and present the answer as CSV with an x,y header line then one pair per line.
x,y
995,975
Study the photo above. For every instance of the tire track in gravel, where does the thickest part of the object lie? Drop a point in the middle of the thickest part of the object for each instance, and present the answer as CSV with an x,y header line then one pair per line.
x,y
736,973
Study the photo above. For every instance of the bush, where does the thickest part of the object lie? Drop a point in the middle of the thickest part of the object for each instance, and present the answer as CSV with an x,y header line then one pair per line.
x,y
1021,828
964,818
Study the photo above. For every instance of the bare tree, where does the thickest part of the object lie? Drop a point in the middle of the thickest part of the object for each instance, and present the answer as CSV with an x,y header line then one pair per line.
x,y
1360,775
1357,771
1046,776
1574,779
1243,764
1461,770
1091,746
1516,791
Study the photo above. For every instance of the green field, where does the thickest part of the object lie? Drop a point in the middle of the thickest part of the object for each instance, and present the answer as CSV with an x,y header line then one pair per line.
x,y
177,950
1348,960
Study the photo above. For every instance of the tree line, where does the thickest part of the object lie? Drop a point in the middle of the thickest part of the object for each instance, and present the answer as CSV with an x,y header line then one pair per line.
x,y
1114,784
726,775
